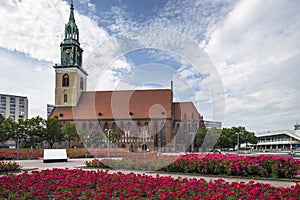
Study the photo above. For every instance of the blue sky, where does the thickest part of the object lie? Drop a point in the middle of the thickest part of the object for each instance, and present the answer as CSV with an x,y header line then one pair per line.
x,y
253,49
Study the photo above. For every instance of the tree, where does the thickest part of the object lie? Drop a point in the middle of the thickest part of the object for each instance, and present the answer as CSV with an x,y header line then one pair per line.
x,y
199,138
228,138
1,119
14,130
53,131
70,133
4,136
35,131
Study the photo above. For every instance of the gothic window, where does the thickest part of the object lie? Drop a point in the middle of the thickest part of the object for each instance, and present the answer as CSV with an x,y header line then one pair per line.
x,y
90,125
65,80
129,126
65,98
162,134
105,125
84,126
114,126
81,83
184,116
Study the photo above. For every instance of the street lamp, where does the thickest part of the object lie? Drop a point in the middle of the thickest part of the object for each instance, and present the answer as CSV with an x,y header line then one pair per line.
x,y
238,141
86,145
108,132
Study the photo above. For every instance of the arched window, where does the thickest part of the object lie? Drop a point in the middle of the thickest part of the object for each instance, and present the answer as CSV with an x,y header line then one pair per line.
x,y
114,126
65,80
129,126
162,134
81,83
65,98
84,126
90,125
105,125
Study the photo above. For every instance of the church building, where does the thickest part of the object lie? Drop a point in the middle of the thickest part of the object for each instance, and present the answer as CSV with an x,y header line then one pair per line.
x,y
133,119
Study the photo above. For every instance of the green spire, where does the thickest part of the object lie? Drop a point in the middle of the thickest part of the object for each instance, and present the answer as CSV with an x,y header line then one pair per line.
x,y
72,18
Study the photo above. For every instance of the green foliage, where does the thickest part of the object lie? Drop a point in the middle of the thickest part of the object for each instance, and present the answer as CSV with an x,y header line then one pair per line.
x,y
13,130
35,131
4,136
70,132
206,139
53,131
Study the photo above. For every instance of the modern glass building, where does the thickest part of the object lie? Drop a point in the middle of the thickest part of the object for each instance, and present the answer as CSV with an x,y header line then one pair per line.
x,y
15,107
281,140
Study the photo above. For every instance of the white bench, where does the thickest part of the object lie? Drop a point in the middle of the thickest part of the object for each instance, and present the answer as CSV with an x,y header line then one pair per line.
x,y
55,155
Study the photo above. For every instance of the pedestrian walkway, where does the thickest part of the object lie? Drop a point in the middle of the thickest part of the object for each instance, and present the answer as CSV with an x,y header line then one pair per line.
x,y
77,163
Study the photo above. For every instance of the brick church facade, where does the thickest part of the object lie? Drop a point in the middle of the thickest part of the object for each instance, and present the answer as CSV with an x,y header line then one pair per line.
x,y
136,118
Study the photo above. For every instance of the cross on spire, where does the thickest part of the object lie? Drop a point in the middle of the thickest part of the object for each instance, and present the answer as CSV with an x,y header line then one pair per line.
x,y
72,18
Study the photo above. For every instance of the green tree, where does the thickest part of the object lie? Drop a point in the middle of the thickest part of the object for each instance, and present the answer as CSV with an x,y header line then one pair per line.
x,y
53,131
14,130
70,133
228,138
199,138
1,119
4,136
34,130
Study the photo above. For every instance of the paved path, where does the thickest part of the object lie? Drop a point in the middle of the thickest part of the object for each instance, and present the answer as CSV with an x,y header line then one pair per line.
x,y
75,163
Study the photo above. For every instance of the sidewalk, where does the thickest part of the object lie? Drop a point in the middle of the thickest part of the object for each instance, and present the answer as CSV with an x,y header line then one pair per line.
x,y
75,163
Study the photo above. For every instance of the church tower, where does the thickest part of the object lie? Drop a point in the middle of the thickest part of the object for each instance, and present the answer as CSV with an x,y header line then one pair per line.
x,y
70,77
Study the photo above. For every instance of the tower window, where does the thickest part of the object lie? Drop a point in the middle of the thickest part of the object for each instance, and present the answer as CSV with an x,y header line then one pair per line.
x,y
65,80
81,83
65,98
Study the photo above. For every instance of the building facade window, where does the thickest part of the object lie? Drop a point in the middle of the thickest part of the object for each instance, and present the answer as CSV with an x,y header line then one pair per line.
x,y
81,83
65,80
65,98
114,126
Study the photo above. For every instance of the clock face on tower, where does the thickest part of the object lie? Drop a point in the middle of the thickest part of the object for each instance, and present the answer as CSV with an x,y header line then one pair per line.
x,y
67,51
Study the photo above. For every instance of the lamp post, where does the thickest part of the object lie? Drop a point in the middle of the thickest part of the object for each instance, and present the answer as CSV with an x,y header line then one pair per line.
x,y
238,142
86,145
108,132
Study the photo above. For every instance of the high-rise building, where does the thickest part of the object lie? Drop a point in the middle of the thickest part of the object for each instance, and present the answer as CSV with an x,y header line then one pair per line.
x,y
15,107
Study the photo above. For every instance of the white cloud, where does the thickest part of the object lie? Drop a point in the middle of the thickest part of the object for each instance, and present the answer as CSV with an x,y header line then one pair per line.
x,y
256,51
36,28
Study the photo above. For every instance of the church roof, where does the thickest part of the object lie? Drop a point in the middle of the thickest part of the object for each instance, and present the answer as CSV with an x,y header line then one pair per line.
x,y
126,104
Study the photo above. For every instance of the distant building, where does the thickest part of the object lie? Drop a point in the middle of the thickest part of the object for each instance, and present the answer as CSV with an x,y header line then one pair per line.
x,y
283,139
213,124
49,109
15,107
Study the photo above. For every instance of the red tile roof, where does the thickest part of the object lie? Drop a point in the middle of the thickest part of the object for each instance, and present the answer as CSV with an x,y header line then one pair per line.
x,y
119,105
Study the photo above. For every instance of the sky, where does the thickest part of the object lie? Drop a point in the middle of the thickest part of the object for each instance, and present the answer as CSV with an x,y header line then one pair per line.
x,y
238,60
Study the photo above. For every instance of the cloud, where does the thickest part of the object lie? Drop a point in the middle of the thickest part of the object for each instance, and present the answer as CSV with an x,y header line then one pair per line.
x,y
36,28
256,51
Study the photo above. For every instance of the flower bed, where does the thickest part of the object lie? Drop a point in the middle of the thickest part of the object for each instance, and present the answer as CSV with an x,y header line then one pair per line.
x,y
81,184
9,167
212,164
234,165
13,155
134,161
29,154
98,153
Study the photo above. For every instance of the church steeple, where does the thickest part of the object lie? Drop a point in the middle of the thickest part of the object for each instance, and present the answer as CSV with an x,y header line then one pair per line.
x,y
71,78
71,18
71,52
